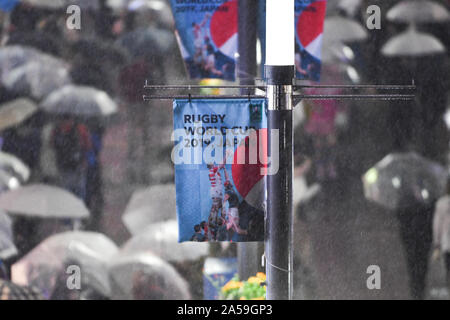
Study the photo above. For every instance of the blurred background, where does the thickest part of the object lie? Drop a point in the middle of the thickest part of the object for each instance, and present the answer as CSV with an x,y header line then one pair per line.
x,y
86,177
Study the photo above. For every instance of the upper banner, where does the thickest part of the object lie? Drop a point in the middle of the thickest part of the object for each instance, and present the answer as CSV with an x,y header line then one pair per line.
x,y
207,33
8,5
220,158
309,21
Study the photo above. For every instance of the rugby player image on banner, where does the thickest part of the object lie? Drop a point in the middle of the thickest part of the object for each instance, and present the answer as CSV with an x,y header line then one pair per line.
x,y
207,35
220,157
309,22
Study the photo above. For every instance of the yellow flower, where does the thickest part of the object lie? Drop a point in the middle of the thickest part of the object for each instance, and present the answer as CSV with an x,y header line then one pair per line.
x,y
254,280
258,298
261,276
242,298
232,284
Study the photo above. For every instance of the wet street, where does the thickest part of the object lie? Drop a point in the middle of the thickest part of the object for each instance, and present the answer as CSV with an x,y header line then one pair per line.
x,y
340,239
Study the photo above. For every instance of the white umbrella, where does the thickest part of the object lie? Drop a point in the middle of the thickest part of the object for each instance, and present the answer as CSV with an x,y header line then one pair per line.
x,y
15,112
351,7
43,201
79,101
36,79
7,247
12,164
144,276
162,239
58,4
13,56
412,43
90,251
8,181
418,11
150,205
335,52
340,29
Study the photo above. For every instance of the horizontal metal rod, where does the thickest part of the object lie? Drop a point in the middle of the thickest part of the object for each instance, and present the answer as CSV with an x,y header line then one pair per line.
x,y
355,87
297,97
296,87
191,97
356,97
189,87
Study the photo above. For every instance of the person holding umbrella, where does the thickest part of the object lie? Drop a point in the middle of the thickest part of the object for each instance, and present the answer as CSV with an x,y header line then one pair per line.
x,y
415,220
441,233
72,143
408,185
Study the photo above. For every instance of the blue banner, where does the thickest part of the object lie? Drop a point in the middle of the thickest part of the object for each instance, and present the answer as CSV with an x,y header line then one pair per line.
x,y
8,5
207,33
220,155
309,21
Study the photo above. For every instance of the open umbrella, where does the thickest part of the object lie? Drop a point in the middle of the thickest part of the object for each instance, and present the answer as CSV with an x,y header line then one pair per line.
x,y
351,7
15,112
412,43
36,79
43,201
14,56
418,11
342,29
62,4
7,247
147,42
161,239
11,291
144,276
89,251
79,101
335,52
11,164
8,181
400,179
150,205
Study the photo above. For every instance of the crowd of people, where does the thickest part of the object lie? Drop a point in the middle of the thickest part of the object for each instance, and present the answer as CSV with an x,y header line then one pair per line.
x,y
65,150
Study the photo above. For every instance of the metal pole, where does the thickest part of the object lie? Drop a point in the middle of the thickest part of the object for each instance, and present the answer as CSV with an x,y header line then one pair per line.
x,y
247,252
279,217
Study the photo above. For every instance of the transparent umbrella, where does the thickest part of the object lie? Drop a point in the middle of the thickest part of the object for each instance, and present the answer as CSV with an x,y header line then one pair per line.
x,y
144,276
43,201
342,29
8,181
418,11
402,179
162,239
12,291
58,4
79,101
15,112
36,79
14,56
7,247
412,43
88,252
11,164
337,52
147,42
150,205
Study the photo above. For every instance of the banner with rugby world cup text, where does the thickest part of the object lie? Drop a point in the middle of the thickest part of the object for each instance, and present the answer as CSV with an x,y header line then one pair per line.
x,y
207,34
221,161
309,22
